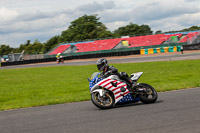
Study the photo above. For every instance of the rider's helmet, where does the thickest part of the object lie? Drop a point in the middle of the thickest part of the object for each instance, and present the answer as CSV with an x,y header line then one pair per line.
x,y
102,64
59,54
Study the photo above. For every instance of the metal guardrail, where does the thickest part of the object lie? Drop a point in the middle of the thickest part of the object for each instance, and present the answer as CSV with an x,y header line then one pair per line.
x,y
83,56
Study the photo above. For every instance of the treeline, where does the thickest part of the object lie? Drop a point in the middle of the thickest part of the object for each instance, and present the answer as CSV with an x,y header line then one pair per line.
x,y
82,29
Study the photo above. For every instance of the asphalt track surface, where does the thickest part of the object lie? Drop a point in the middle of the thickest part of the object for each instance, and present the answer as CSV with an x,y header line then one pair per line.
x,y
174,112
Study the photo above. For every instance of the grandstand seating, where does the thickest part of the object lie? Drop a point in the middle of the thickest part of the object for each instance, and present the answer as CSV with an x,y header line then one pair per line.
x,y
137,41
60,49
97,45
189,36
84,47
133,41
107,44
147,40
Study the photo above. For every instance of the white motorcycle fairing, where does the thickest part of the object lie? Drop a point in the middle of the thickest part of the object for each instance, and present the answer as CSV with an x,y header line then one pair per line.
x,y
112,85
136,76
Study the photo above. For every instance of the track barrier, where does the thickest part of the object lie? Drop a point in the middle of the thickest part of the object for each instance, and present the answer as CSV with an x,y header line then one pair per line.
x,y
176,47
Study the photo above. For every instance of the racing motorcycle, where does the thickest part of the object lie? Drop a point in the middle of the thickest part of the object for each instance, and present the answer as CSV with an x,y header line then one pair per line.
x,y
60,59
111,91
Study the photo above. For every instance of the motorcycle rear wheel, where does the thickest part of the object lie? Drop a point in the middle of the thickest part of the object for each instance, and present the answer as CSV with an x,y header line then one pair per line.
x,y
150,95
102,102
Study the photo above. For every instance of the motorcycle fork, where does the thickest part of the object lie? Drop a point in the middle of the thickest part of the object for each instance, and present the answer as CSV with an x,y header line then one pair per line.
x,y
104,92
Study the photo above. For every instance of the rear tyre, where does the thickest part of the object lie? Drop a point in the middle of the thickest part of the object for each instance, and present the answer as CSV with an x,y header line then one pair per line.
x,y
102,102
62,60
149,94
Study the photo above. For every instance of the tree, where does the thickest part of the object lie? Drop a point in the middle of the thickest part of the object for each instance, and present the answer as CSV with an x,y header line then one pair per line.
x,y
5,49
133,29
192,28
85,27
52,42
144,30
28,42
37,47
21,48
158,32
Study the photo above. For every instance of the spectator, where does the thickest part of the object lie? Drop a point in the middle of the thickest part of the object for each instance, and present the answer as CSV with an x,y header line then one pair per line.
x,y
181,49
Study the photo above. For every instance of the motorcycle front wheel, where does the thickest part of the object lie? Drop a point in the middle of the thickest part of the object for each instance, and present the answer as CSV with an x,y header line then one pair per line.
x,y
102,102
149,94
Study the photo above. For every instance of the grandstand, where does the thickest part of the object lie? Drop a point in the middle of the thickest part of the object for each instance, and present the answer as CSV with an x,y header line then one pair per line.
x,y
60,49
148,40
123,46
189,37
137,41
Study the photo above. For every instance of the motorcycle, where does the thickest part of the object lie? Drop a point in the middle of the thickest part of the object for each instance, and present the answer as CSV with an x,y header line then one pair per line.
x,y
111,91
60,59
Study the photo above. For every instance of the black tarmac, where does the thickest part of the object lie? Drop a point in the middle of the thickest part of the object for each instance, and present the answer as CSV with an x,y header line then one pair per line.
x,y
174,112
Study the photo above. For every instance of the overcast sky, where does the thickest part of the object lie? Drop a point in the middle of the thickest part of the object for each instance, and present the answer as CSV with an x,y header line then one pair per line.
x,y
22,20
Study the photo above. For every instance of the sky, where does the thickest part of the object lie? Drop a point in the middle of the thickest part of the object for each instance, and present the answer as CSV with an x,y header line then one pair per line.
x,y
22,20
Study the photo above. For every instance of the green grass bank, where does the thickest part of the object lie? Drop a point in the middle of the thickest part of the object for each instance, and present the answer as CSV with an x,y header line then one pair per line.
x,y
30,87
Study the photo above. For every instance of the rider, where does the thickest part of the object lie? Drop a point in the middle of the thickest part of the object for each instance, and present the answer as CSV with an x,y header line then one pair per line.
x,y
58,55
102,65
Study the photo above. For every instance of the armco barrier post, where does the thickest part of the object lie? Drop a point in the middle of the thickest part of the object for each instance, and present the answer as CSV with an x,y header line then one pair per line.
x,y
171,49
166,49
178,48
175,49
151,50
162,50
142,51
155,50
158,50
146,51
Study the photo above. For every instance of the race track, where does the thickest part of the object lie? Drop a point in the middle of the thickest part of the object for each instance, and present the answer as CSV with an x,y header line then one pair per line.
x,y
119,59
174,112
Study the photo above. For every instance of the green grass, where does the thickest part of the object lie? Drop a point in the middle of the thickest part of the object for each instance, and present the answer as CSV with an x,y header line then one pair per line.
x,y
29,87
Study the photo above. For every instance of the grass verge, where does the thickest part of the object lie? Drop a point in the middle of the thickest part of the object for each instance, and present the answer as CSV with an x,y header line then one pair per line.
x,y
30,87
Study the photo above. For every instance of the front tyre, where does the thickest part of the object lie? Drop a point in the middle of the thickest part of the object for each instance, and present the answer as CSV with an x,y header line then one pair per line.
x,y
102,102
149,94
